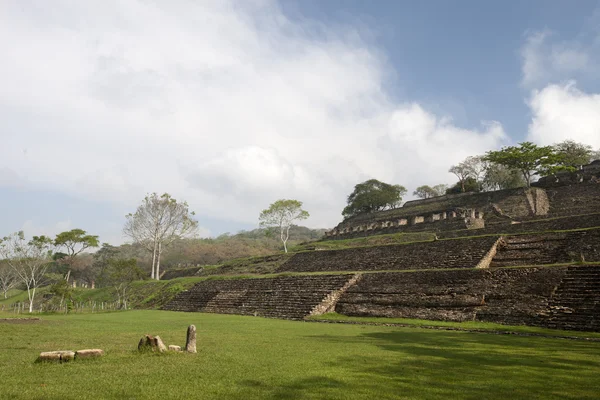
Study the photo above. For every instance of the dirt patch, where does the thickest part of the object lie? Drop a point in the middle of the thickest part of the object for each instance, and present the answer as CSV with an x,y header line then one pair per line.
x,y
19,320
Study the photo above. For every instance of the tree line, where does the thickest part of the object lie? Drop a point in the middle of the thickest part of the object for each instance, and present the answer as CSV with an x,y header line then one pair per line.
x,y
510,167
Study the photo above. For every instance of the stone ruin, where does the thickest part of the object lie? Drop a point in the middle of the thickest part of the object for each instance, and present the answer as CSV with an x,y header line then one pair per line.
x,y
69,355
155,343
519,257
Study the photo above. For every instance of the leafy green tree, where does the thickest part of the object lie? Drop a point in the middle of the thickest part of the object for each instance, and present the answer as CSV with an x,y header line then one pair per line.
x,y
158,222
29,259
470,184
498,177
425,192
73,242
527,158
281,215
573,154
373,195
440,189
120,274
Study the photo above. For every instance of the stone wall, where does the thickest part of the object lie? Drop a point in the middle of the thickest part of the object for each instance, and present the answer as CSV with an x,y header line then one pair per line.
x,y
475,210
464,253
540,225
449,212
574,199
584,174
531,296
288,297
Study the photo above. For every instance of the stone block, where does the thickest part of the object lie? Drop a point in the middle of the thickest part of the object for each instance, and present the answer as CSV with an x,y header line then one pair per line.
x,y
89,353
57,356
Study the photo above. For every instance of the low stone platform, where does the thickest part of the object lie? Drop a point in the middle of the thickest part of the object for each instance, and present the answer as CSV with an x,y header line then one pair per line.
x,y
287,297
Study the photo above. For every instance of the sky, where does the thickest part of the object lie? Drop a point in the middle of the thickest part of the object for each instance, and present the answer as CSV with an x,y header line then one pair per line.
x,y
231,105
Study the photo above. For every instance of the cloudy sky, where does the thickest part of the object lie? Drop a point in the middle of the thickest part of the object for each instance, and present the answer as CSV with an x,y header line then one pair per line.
x,y
231,105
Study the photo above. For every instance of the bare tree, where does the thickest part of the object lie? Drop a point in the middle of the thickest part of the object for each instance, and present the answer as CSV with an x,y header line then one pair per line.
x,y
28,259
281,215
8,278
157,223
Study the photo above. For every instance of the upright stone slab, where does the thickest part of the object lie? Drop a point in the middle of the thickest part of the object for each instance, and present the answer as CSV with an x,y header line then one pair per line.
x,y
190,343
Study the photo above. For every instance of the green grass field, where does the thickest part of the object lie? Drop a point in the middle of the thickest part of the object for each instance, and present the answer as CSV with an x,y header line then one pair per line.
x,y
249,357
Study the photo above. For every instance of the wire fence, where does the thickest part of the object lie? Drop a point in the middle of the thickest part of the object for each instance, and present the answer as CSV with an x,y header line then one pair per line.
x,y
66,307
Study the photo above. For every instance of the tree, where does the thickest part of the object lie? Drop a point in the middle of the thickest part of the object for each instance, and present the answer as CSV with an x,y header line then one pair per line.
x,y
373,195
499,177
440,189
573,154
74,242
281,215
28,259
595,155
527,158
157,223
120,274
462,172
466,186
8,278
425,192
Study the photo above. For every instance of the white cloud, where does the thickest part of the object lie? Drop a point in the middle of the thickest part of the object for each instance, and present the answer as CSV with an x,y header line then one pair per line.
x,y
564,112
31,228
549,58
228,105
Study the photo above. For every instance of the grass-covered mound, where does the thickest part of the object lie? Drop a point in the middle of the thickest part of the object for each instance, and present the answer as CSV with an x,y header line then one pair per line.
x,y
248,357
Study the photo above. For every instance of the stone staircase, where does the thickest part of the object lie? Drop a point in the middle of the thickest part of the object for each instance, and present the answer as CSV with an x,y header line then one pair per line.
x,y
529,250
287,297
576,303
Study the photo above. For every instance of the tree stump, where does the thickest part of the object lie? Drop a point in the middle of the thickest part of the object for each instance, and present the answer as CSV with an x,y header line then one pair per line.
x,y
153,343
190,343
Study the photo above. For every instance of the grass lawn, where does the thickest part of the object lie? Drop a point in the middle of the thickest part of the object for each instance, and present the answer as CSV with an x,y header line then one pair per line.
x,y
249,357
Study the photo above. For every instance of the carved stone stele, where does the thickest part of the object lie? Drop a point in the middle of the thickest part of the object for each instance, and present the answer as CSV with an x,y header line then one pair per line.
x,y
190,343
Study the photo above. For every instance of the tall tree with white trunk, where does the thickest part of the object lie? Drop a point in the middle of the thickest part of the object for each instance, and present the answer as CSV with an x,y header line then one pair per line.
x,y
157,222
29,260
281,215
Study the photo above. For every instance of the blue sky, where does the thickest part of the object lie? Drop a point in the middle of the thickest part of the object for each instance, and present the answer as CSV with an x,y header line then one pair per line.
x,y
232,105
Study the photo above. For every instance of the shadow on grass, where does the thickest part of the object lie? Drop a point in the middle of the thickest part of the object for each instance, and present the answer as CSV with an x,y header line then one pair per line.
x,y
438,365
297,389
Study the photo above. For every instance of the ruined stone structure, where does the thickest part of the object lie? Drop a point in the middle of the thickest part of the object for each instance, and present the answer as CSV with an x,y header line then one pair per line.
x,y
585,173
557,297
289,297
448,213
522,256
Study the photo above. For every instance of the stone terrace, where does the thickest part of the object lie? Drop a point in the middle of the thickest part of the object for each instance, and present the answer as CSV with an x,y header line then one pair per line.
x,y
287,297
548,248
507,295
461,253
576,303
